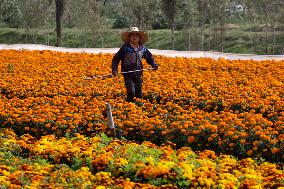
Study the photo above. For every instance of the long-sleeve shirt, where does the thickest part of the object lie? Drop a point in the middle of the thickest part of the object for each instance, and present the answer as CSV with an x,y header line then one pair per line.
x,y
131,59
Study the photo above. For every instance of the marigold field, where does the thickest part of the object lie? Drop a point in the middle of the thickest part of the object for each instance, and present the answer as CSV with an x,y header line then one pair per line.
x,y
201,123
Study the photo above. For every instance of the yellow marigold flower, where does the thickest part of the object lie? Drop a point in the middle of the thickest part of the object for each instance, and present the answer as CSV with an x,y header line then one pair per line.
x,y
101,187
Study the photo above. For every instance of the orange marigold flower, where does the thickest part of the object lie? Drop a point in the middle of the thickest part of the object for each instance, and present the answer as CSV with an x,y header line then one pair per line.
x,y
191,139
250,152
274,150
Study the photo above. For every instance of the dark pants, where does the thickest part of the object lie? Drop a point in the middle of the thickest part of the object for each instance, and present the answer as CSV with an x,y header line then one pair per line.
x,y
133,86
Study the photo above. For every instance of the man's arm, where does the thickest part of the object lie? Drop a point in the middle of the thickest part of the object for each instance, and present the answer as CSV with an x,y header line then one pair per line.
x,y
116,59
149,59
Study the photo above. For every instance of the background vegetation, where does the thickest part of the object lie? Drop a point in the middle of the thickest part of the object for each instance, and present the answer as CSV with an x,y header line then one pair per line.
x,y
240,26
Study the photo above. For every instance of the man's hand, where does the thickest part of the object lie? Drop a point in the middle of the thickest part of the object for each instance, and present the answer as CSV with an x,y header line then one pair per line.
x,y
155,67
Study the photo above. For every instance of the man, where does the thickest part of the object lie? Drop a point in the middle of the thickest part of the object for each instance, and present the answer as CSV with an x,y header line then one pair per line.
x,y
130,55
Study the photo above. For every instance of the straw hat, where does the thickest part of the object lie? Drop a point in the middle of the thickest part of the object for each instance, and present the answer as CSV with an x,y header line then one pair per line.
x,y
143,35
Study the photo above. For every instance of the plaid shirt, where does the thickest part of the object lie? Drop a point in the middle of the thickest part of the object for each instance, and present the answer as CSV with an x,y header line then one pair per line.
x,y
131,59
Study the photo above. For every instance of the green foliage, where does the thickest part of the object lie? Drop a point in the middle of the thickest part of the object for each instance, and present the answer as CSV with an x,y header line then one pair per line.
x,y
105,139
134,153
120,22
76,163
236,41
10,13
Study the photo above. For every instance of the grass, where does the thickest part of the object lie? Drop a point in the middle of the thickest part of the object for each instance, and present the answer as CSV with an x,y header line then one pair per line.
x,y
235,40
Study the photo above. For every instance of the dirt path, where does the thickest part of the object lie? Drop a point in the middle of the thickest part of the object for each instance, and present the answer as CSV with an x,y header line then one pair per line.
x,y
169,53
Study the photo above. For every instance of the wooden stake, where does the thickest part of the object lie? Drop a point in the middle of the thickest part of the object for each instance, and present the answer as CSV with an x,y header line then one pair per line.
x,y
110,119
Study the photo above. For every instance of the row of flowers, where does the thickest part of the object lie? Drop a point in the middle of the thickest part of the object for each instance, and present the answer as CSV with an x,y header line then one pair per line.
x,y
101,162
227,106
245,134
210,84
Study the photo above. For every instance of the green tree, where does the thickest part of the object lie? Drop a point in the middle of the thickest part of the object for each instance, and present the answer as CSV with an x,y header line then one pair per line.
x,y
87,14
271,14
33,15
189,18
220,13
251,16
10,13
141,13
202,9
95,20
169,9
276,8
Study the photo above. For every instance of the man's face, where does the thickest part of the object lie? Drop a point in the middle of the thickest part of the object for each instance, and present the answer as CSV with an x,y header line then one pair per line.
x,y
134,37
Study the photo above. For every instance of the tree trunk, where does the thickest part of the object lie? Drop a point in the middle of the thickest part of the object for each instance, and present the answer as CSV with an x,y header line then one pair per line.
x,y
222,37
202,41
94,40
251,39
266,38
27,31
173,38
104,4
209,42
48,33
189,39
59,13
67,36
36,35
102,41
273,44
85,37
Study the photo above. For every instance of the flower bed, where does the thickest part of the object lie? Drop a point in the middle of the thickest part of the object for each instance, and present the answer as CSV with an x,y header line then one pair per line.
x,y
231,107
99,161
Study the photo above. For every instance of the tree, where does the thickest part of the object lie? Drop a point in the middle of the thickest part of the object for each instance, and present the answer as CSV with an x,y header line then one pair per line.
x,y
251,15
169,8
59,8
211,20
263,15
104,3
189,15
202,16
271,13
33,15
10,13
87,14
141,13
95,20
220,12
276,15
